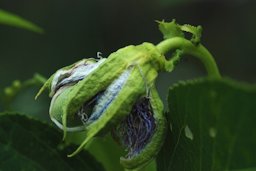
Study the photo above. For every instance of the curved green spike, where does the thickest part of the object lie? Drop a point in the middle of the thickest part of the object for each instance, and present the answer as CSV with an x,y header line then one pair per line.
x,y
47,85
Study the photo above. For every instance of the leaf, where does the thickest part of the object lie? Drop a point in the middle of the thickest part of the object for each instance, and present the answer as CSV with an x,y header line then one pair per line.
x,y
10,19
212,127
106,150
27,144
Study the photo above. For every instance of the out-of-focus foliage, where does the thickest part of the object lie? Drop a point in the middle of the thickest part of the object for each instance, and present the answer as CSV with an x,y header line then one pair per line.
x,y
82,28
28,144
106,151
19,97
212,126
10,19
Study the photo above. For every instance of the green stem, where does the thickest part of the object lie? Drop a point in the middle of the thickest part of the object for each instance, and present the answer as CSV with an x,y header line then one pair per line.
x,y
12,91
189,48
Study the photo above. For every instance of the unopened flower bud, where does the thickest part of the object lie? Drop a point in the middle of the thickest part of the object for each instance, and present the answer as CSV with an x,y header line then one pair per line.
x,y
97,95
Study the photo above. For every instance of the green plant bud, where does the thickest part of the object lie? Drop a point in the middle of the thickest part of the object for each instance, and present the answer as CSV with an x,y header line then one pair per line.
x,y
118,93
96,95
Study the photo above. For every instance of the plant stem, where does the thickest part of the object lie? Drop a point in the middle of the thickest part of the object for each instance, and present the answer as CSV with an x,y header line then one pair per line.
x,y
12,91
198,51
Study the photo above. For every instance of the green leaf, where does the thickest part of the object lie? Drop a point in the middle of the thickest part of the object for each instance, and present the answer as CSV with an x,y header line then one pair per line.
x,y
10,19
212,127
106,150
27,144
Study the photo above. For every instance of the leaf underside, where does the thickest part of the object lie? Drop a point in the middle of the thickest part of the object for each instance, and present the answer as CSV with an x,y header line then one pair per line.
x,y
212,127
28,144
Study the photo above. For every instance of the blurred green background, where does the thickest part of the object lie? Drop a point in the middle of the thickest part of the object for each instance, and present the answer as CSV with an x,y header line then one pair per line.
x,y
79,29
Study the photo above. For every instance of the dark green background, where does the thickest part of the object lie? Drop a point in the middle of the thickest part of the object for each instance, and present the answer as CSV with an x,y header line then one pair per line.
x,y
79,28
76,29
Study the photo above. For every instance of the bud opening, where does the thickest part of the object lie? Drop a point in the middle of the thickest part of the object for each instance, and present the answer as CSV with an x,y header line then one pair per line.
x,y
73,75
91,110
136,130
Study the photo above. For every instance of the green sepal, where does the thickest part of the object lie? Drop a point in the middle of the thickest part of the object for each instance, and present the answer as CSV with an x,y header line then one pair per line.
x,y
118,109
47,85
